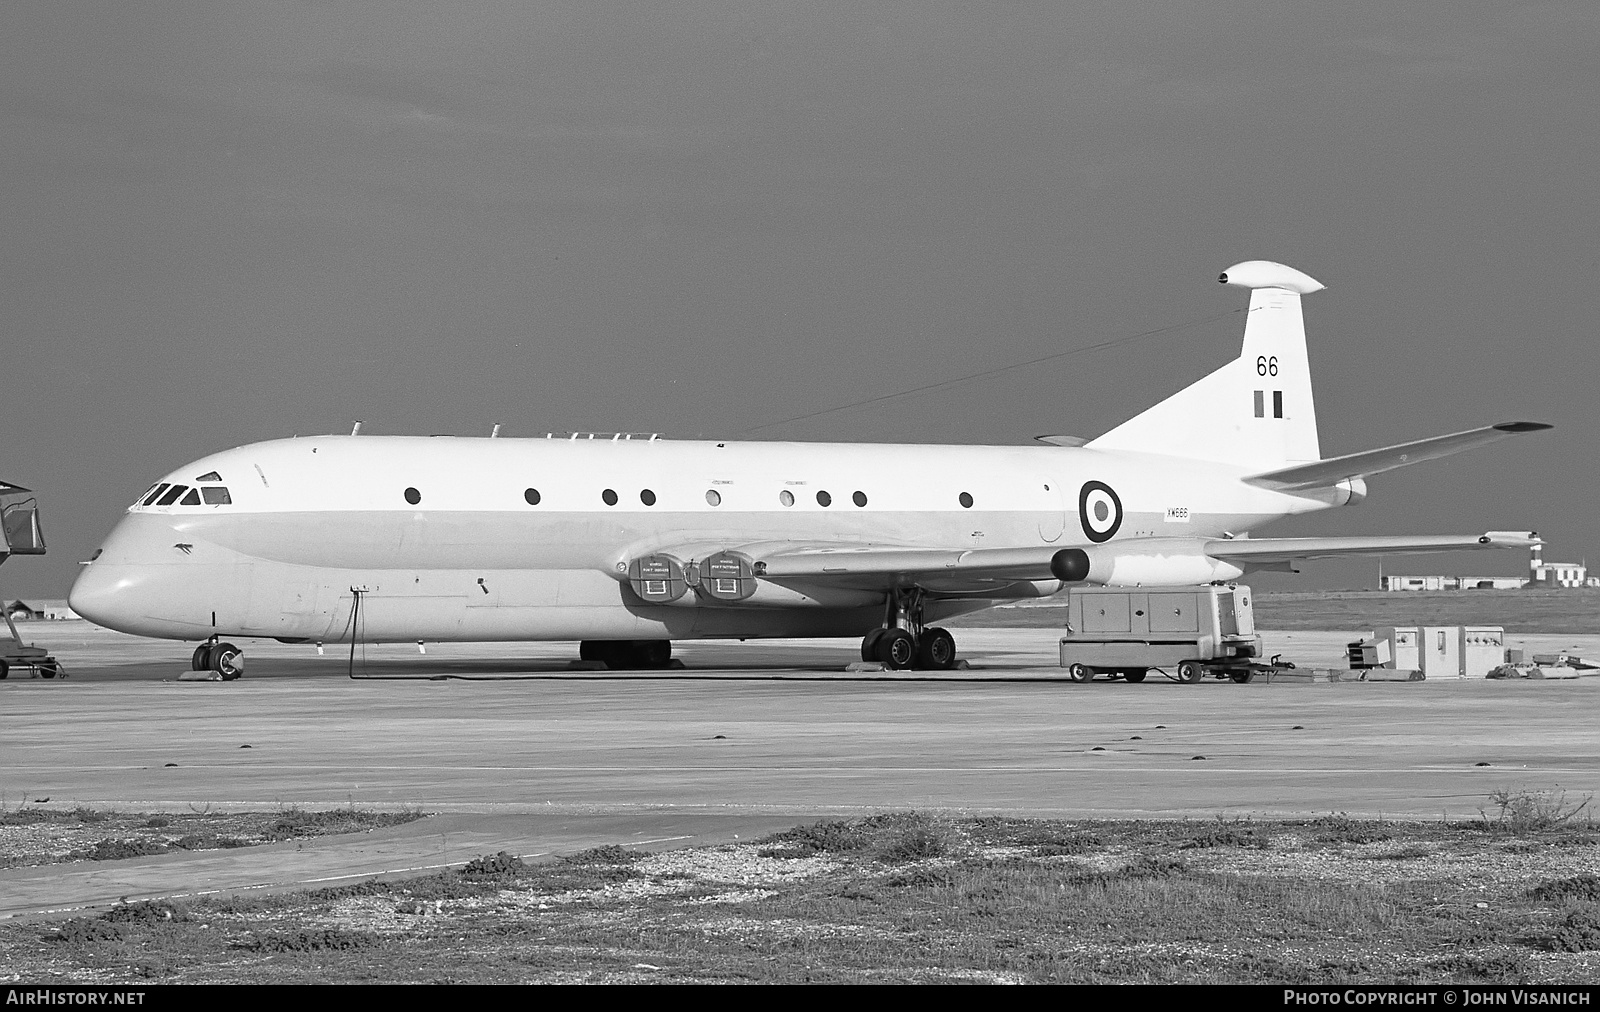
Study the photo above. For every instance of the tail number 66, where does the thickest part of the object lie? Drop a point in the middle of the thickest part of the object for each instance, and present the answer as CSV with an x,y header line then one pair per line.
x,y
1267,366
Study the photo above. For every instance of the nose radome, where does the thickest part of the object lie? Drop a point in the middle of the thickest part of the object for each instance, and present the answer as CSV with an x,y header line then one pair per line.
x,y
104,594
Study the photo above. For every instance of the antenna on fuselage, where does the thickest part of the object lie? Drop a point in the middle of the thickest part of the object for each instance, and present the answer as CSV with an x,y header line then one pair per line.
x,y
496,433
355,430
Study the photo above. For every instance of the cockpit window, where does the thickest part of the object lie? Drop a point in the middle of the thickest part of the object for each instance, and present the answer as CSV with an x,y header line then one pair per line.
x,y
193,498
209,476
216,496
172,495
154,492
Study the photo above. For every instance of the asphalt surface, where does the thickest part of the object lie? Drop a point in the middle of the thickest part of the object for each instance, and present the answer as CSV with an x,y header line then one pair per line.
x,y
515,751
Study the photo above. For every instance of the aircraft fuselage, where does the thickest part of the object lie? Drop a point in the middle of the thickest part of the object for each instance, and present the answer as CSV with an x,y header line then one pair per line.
x,y
453,538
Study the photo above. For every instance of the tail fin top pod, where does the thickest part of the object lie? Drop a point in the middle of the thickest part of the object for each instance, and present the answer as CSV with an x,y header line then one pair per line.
x,y
1256,411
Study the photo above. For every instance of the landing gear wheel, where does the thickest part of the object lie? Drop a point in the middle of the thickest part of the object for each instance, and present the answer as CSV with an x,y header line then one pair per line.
x,y
936,651
896,649
1191,672
1135,676
227,660
1080,672
1242,677
593,650
201,661
869,645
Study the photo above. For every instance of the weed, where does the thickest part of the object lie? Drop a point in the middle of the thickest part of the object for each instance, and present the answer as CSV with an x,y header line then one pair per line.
x,y
1579,930
1532,811
1502,967
1223,833
1337,829
611,853
915,840
117,850
85,931
501,865
145,912
1579,887
157,822
1147,866
823,835
311,941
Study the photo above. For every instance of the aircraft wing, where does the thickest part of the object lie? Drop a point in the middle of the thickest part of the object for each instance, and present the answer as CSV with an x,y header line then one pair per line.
x,y
1260,551
1146,561
1323,473
873,566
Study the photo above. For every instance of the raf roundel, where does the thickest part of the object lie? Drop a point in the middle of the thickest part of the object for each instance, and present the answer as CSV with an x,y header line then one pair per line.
x,y
1100,511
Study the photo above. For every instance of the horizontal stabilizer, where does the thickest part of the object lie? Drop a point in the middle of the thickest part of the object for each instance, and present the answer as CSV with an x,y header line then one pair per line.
x,y
1260,551
1325,473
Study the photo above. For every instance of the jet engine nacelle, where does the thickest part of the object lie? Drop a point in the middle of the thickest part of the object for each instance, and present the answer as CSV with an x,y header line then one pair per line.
x,y
1184,564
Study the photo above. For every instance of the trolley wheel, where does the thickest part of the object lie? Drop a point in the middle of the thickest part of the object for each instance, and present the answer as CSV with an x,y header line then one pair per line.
x,y
1080,672
1242,677
1191,672
1135,676
5,669
49,669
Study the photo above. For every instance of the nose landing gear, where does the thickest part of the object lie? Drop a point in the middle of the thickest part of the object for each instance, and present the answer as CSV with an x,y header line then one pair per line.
x,y
904,642
225,659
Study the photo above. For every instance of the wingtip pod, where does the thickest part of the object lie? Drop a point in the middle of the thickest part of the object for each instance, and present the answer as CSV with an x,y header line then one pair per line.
x,y
1266,274
1511,539
1523,426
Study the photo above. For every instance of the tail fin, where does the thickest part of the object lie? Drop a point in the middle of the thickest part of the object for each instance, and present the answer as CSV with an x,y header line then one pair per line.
x,y
1257,410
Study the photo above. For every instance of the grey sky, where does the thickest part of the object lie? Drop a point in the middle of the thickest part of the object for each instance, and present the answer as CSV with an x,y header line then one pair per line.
x,y
228,222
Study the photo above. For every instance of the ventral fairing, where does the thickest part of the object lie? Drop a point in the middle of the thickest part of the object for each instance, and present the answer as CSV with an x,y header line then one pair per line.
x,y
628,543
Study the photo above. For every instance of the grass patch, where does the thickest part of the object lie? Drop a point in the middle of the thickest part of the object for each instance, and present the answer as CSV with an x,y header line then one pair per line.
x,y
911,897
37,835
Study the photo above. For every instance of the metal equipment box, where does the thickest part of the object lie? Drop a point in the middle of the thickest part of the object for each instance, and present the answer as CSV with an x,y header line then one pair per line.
x,y
1118,631
1439,650
1483,648
1402,642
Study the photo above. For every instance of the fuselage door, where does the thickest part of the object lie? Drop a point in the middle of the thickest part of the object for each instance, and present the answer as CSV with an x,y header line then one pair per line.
x,y
1053,511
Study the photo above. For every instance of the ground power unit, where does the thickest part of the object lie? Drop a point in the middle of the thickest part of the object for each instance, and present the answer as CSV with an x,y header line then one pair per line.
x,y
1188,632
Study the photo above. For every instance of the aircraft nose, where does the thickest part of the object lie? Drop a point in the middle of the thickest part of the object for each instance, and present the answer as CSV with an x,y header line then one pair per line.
x,y
104,594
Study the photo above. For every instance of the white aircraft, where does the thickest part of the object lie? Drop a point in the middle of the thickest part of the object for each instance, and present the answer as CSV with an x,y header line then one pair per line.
x,y
627,543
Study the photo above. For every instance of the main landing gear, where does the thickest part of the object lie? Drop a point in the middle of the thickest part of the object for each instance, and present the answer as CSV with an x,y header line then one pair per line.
x,y
628,655
225,659
904,642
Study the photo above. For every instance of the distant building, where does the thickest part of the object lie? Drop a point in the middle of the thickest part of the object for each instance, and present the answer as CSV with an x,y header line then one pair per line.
x,y
1454,582
1540,574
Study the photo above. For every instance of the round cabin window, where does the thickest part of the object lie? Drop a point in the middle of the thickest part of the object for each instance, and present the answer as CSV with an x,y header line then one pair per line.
x,y
860,498
824,499
413,496
532,496
647,497
610,497
786,497
966,500
713,497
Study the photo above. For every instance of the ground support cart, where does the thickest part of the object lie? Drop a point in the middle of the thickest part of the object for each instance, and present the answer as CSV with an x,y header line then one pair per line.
x,y
1188,632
